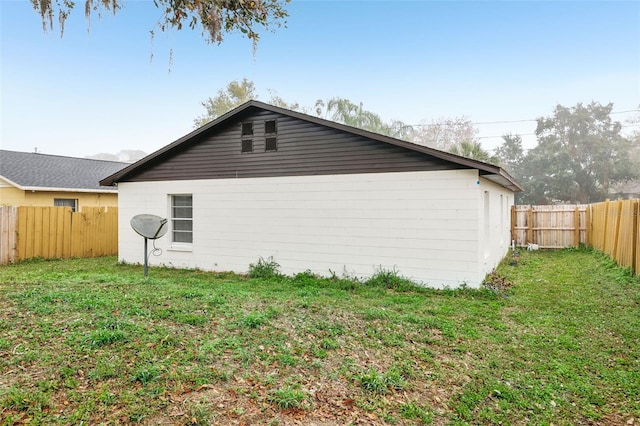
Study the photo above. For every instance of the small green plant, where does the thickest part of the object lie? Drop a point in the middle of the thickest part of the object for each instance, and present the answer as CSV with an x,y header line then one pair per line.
x,y
328,343
414,411
145,374
287,398
104,337
374,382
254,320
390,279
264,269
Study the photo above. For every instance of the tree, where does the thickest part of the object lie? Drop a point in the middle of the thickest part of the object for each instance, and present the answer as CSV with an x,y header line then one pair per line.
x,y
445,133
472,150
579,157
337,109
510,154
215,17
235,94
346,112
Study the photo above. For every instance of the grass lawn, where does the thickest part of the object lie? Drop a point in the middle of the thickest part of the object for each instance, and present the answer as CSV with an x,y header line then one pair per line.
x,y
92,341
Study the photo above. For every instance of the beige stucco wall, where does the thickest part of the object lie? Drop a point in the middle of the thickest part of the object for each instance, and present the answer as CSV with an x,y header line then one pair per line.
x,y
12,196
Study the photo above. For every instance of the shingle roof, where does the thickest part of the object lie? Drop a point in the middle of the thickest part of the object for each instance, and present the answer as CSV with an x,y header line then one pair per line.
x,y
30,170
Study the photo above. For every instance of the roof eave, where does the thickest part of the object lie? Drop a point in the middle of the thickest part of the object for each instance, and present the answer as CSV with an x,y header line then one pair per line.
x,y
475,164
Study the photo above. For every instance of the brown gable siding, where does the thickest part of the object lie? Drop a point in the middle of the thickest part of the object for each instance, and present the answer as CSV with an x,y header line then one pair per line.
x,y
303,148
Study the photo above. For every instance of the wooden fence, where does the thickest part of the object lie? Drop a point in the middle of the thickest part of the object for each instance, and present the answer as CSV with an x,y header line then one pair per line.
x,y
550,226
57,232
615,230
612,227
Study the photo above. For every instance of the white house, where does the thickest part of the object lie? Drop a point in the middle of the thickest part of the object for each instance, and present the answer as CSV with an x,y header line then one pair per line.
x,y
262,181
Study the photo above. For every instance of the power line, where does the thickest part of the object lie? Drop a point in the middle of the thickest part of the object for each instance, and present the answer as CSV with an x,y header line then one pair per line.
x,y
523,121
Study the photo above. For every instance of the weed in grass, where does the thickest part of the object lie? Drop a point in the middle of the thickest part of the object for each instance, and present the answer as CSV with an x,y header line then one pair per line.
x,y
104,337
328,343
264,269
287,358
413,410
287,398
390,279
146,374
216,300
189,294
254,320
395,380
374,382
107,398
319,353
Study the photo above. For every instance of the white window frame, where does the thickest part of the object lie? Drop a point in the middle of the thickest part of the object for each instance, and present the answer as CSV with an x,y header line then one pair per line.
x,y
180,245
65,202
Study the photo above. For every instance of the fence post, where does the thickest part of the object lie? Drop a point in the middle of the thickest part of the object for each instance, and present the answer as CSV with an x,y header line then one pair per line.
x,y
587,226
530,226
576,224
616,234
513,223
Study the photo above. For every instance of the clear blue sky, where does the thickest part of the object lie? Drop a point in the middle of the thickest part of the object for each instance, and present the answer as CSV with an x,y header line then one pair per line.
x,y
98,91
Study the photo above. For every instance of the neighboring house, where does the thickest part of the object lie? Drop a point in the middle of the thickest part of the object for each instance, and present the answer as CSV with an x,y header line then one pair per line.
x,y
627,190
262,181
32,179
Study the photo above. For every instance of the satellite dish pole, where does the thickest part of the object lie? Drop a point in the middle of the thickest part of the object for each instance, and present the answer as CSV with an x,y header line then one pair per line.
x,y
151,227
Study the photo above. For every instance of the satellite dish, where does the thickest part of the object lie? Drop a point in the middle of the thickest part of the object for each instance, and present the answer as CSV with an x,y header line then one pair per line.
x,y
149,225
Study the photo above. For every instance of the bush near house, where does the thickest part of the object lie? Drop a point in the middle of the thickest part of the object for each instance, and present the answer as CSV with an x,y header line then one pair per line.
x,y
91,340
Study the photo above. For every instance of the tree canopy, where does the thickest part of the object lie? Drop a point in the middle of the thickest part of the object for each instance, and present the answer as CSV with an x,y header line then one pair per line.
x,y
336,109
445,133
580,156
216,18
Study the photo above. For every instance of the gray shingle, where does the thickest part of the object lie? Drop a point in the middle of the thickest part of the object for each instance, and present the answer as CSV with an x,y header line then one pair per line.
x,y
28,169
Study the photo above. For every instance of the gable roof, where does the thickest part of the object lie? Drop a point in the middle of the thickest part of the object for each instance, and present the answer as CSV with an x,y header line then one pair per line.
x,y
33,171
488,171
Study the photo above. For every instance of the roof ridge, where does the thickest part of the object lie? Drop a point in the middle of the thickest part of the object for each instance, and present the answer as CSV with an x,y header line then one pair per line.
x,y
63,156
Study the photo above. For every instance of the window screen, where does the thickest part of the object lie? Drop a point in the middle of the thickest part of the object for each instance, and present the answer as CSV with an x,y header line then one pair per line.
x,y
182,218
66,202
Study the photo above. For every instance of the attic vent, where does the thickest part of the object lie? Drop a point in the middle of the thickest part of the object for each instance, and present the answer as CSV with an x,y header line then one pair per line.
x,y
247,129
247,145
270,127
271,144
247,135
271,139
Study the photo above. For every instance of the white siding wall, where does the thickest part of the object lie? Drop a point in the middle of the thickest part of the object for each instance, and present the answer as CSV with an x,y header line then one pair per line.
x,y
425,225
495,230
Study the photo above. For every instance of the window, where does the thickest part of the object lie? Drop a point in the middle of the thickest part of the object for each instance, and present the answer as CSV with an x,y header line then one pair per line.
x,y
182,219
271,139
66,202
